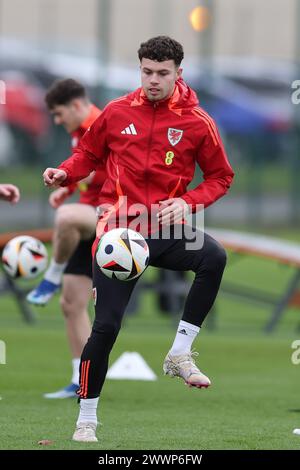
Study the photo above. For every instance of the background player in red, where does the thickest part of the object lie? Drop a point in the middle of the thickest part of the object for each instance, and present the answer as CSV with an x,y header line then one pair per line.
x,y
74,229
152,139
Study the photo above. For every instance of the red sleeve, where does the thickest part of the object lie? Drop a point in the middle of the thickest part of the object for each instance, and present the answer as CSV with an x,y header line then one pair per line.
x,y
72,188
217,172
99,177
91,150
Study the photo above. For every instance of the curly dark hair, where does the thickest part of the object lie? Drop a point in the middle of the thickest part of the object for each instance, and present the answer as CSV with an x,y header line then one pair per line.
x,y
161,48
64,91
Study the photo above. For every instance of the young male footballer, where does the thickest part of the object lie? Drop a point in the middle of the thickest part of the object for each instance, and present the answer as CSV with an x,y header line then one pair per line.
x,y
151,140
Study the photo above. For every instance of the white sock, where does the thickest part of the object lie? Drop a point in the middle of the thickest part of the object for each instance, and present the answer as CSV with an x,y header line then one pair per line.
x,y
75,367
186,333
55,272
88,411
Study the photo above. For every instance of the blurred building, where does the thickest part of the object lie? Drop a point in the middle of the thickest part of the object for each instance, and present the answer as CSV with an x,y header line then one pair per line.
x,y
243,79
240,27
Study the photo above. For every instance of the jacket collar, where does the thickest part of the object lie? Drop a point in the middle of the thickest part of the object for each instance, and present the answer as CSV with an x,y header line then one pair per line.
x,y
182,97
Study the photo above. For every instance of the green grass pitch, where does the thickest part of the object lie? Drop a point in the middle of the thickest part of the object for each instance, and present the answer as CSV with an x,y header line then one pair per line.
x,y
253,403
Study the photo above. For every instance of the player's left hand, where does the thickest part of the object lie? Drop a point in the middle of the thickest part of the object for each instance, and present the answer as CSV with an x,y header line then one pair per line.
x,y
58,196
88,179
172,211
10,193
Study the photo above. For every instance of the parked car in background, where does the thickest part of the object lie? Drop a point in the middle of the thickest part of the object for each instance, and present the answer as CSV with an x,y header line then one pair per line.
x,y
250,101
23,120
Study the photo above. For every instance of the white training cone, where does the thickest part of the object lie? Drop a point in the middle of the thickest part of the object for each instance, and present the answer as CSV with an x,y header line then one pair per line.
x,y
131,366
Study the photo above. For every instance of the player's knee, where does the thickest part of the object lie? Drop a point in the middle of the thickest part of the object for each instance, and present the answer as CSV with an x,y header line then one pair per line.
x,y
217,257
108,328
64,218
68,307
214,258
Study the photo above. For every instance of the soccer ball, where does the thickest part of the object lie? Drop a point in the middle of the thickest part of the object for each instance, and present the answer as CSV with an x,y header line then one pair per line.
x,y
24,257
122,254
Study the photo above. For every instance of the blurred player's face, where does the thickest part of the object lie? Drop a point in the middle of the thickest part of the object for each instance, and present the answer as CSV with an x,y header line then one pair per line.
x,y
158,78
70,115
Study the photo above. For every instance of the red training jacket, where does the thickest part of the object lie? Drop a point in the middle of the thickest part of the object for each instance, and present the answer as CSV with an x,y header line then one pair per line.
x,y
151,150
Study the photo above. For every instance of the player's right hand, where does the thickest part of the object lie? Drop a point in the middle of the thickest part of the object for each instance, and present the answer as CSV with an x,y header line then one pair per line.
x,y
53,177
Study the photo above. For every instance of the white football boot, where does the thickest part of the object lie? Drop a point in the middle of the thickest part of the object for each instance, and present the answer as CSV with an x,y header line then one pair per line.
x,y
85,432
184,366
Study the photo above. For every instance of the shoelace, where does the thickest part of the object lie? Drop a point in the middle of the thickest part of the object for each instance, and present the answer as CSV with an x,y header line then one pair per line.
x,y
185,363
99,423
86,428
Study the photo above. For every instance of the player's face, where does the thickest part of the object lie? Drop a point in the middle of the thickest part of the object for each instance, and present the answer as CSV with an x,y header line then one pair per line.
x,y
158,78
66,115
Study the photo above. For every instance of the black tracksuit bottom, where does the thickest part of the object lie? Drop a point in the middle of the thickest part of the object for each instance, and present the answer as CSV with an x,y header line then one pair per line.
x,y
112,296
